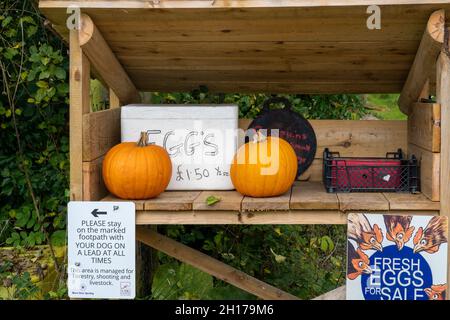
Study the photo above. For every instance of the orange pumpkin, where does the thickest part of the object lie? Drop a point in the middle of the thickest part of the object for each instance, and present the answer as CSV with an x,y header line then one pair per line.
x,y
137,171
265,167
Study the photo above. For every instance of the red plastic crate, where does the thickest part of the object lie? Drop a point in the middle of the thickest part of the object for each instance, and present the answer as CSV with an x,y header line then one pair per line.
x,y
390,174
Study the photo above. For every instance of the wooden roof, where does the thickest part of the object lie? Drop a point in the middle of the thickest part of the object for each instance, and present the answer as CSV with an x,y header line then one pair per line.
x,y
270,46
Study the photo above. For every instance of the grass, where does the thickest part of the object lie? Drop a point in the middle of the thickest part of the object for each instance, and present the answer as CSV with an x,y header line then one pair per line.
x,y
384,106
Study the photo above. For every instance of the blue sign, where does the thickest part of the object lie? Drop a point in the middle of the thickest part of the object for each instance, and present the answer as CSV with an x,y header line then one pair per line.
x,y
397,275
396,257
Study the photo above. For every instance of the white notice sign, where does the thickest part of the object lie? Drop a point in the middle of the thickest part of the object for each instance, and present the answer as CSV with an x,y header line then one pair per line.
x,y
101,250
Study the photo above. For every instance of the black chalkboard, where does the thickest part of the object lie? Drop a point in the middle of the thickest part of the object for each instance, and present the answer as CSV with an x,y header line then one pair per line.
x,y
292,127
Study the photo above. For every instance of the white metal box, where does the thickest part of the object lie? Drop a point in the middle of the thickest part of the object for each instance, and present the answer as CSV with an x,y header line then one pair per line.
x,y
200,139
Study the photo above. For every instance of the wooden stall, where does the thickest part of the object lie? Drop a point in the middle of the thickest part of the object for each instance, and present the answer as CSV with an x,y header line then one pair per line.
x,y
284,46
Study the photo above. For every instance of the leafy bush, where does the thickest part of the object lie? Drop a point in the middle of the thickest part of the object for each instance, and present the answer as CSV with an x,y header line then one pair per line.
x,y
33,131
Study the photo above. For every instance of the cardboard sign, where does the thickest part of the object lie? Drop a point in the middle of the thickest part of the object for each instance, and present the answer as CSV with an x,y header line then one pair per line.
x,y
396,257
201,140
101,247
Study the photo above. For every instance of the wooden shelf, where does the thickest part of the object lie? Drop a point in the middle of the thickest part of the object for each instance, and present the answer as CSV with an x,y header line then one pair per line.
x,y
305,203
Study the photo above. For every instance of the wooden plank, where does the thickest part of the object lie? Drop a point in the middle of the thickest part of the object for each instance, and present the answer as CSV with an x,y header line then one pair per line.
x,y
266,85
138,203
211,266
259,49
312,196
224,3
114,101
443,97
79,105
314,172
244,65
362,201
294,217
101,132
336,294
355,138
265,204
229,201
424,62
408,201
172,201
196,71
424,127
93,187
327,217
187,217
429,171
105,62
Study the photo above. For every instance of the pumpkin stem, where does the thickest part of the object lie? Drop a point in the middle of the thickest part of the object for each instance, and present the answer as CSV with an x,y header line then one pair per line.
x,y
259,137
143,140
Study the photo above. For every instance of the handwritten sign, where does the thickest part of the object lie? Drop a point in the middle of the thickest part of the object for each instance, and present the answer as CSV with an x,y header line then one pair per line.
x,y
392,257
201,141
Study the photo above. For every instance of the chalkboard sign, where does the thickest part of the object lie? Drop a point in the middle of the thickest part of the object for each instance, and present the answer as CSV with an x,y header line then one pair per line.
x,y
292,127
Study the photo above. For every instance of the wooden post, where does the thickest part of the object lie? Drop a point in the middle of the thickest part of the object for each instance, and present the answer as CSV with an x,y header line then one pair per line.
x,y
79,105
424,62
443,97
114,101
210,265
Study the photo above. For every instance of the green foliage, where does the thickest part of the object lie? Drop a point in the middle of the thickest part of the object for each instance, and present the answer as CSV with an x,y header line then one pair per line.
x,y
250,105
179,281
34,142
303,260
384,106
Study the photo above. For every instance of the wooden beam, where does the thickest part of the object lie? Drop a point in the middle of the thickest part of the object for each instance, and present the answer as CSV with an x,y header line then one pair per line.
x,y
443,97
336,294
424,62
424,126
211,266
105,62
79,105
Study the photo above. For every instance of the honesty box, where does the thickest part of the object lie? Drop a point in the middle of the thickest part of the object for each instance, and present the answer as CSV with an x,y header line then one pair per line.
x,y
101,247
396,257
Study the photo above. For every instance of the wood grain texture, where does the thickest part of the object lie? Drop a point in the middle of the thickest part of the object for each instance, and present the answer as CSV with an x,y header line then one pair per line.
x,y
211,266
93,187
407,201
225,3
424,126
356,137
173,201
79,105
114,101
138,203
282,48
105,62
443,97
362,202
101,132
312,196
229,201
424,62
279,203
429,171
336,294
